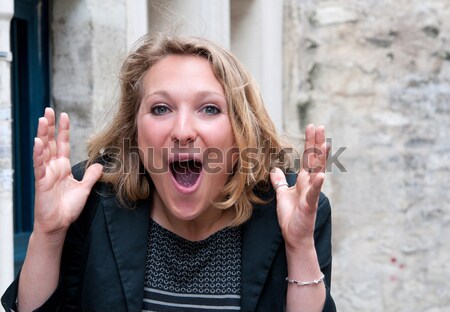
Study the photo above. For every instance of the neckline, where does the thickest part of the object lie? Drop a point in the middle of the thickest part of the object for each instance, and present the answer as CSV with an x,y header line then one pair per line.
x,y
175,236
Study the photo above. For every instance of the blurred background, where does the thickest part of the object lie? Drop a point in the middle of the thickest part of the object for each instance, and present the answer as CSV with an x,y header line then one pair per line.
x,y
376,73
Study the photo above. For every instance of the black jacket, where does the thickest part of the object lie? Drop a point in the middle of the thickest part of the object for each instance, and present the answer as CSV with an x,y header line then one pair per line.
x,y
103,261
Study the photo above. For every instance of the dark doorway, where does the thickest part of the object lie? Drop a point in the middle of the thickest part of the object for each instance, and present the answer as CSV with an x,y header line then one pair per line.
x,y
30,95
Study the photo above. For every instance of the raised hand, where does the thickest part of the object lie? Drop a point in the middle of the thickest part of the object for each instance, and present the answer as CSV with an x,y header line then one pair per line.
x,y
297,205
59,198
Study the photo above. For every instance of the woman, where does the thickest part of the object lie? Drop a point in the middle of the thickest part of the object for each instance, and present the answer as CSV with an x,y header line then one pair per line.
x,y
174,211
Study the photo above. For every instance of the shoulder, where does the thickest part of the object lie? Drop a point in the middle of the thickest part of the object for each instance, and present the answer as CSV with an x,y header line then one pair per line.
x,y
323,210
78,233
78,170
323,207
99,193
100,188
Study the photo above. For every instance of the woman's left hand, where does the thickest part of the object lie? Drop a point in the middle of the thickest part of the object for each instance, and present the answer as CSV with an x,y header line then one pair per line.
x,y
297,205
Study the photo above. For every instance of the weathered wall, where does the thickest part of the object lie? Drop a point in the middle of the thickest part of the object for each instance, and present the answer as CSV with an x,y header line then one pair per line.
x,y
377,75
89,39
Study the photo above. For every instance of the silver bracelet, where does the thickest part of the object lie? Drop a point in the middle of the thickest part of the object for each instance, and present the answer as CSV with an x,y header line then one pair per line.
x,y
306,283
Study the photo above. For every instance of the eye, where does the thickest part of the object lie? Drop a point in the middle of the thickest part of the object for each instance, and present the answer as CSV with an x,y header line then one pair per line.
x,y
211,110
160,110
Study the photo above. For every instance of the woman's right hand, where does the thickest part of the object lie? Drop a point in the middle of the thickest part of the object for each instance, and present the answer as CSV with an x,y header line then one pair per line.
x,y
59,198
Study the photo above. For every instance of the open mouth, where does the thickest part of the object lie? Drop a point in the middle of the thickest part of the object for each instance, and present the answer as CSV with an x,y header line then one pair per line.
x,y
187,172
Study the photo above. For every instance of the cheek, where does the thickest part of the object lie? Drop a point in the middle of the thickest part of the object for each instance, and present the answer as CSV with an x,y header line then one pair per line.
x,y
147,136
231,151
222,133
148,142
232,157
230,154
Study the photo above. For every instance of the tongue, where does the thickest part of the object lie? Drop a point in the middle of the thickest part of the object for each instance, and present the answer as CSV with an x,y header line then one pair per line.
x,y
186,173
186,179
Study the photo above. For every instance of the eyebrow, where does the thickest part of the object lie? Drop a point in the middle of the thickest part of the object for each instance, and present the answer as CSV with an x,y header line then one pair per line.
x,y
199,94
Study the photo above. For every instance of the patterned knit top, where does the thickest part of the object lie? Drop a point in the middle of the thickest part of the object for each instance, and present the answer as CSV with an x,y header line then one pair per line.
x,y
183,275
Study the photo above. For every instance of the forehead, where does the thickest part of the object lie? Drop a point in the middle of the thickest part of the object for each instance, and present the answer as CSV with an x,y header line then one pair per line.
x,y
177,63
189,71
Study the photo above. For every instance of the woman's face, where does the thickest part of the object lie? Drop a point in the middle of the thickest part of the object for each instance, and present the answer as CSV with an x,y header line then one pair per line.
x,y
185,137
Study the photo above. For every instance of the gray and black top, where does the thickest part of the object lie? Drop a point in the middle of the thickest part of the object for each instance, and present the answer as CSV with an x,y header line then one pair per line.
x,y
183,275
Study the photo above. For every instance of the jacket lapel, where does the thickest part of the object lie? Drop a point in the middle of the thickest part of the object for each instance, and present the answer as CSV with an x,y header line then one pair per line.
x,y
128,230
261,238
128,235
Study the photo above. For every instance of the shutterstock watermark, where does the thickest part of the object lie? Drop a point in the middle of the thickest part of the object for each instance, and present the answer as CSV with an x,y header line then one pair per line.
x,y
333,158
310,158
189,158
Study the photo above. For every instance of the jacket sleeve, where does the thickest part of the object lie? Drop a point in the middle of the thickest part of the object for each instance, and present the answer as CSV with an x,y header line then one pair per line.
x,y
322,238
65,296
10,296
75,249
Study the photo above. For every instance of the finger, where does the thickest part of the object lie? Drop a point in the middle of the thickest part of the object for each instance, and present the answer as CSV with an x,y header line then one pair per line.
x,y
325,150
92,174
321,155
312,197
50,116
42,134
310,137
308,153
278,180
319,136
62,141
38,159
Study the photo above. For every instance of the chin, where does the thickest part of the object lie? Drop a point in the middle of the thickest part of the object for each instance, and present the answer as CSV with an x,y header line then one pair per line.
x,y
185,214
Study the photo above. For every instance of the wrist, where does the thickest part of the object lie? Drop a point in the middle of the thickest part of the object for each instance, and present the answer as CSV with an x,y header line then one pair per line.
x,y
50,240
303,263
306,283
300,247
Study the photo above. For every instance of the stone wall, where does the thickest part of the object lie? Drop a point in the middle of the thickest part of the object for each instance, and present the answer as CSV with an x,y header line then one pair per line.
x,y
377,75
89,39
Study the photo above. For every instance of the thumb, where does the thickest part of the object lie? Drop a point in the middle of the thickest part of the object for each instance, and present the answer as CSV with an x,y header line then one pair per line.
x,y
278,179
92,174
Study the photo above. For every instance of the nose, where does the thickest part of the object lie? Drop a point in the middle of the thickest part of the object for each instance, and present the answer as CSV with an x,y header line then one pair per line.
x,y
184,130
